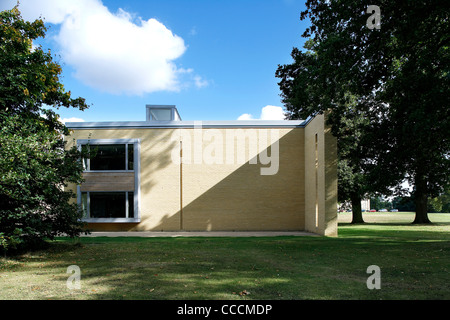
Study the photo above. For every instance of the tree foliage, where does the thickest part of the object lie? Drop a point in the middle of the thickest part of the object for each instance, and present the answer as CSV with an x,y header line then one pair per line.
x,y
398,78
35,165
306,90
30,79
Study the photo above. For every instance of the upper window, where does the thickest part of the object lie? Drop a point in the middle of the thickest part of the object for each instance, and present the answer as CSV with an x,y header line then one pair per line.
x,y
109,157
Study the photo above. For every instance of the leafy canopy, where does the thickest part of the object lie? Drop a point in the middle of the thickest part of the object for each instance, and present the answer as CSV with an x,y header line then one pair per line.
x,y
396,78
35,165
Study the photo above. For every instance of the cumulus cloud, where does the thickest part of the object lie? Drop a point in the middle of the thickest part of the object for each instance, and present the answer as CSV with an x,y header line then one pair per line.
x,y
200,82
113,52
245,116
73,119
267,113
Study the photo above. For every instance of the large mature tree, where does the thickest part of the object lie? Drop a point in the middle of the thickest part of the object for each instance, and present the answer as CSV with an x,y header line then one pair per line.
x,y
397,65
306,90
34,163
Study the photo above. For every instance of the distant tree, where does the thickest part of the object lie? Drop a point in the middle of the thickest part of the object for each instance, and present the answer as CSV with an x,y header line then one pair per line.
x,y
378,202
440,203
34,163
403,204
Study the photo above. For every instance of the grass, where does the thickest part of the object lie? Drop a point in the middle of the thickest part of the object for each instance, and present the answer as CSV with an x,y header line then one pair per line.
x,y
414,261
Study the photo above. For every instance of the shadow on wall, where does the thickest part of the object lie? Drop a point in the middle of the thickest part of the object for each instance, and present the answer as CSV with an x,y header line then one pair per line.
x,y
217,197
197,196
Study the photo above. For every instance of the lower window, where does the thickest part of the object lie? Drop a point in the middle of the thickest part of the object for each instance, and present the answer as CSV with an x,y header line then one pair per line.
x,y
108,204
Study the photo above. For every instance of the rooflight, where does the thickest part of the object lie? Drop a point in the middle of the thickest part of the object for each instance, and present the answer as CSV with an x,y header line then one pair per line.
x,y
162,113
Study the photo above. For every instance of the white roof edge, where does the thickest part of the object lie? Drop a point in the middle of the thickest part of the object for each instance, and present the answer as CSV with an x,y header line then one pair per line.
x,y
188,124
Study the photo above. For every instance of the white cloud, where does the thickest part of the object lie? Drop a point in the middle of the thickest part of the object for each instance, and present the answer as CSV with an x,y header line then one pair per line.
x,y
73,119
245,116
267,113
272,113
200,82
113,52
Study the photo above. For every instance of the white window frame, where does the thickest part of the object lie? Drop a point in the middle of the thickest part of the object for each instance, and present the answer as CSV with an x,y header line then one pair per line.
x,y
136,169
88,206
105,141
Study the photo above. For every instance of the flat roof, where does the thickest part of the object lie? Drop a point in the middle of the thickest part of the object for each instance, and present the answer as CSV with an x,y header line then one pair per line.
x,y
188,124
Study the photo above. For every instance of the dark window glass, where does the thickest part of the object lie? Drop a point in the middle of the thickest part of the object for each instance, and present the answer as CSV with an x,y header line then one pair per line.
x,y
130,157
85,149
84,204
130,204
107,205
108,157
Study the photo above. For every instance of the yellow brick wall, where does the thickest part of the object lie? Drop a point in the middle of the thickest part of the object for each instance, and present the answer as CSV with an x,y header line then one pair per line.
x,y
238,197
320,178
159,178
193,194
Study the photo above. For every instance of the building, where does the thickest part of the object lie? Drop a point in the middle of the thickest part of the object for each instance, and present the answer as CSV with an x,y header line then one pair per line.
x,y
365,204
165,174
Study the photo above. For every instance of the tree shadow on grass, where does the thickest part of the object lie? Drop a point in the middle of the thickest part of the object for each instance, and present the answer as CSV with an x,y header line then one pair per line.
x,y
438,231
147,269
135,268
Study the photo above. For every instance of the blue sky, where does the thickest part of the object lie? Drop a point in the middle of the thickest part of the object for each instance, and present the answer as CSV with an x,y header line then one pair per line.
x,y
214,60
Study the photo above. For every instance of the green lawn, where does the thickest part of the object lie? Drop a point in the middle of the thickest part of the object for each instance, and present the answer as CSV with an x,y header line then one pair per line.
x,y
414,261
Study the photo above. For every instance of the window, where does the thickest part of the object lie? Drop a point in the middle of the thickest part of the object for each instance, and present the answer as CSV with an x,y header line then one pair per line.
x,y
161,114
109,157
111,190
108,204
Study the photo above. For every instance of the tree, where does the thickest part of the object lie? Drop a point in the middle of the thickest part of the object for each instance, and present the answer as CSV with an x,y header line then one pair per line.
x,y
399,73
34,163
403,204
442,202
305,90
379,203
30,79
413,116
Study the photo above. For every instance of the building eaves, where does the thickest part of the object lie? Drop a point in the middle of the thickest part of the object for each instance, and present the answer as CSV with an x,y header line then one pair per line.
x,y
187,124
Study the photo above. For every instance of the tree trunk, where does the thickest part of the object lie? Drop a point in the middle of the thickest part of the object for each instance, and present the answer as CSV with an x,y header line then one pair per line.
x,y
421,201
356,208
